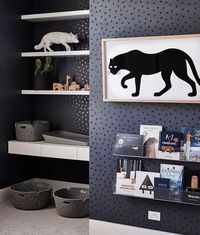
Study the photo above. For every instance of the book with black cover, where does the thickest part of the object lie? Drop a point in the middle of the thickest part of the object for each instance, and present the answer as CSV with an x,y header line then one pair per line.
x,y
128,145
161,188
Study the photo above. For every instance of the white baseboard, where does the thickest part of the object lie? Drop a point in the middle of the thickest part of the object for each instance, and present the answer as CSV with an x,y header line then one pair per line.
x,y
100,228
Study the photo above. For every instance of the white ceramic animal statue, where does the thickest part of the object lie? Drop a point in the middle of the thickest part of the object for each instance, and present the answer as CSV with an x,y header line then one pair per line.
x,y
57,38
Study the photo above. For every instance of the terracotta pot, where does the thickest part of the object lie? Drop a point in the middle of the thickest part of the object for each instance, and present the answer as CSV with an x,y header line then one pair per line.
x,y
41,82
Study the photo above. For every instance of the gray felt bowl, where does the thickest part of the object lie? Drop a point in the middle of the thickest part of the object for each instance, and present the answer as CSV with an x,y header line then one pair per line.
x,y
31,195
73,202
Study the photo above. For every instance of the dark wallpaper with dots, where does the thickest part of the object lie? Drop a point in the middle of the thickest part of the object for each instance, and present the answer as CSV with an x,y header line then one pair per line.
x,y
16,73
15,37
70,113
118,18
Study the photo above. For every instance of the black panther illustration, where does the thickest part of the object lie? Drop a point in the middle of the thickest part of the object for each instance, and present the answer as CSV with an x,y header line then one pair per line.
x,y
166,62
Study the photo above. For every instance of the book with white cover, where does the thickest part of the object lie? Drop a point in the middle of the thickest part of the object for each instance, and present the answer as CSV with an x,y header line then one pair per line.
x,y
145,183
151,139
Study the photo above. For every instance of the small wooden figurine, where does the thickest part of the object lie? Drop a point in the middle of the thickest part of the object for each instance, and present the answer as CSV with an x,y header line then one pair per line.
x,y
66,85
60,86
57,87
74,86
86,87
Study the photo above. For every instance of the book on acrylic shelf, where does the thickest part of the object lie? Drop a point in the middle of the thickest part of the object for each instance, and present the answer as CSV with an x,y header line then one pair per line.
x,y
145,183
161,188
175,174
151,139
170,145
191,143
126,176
128,145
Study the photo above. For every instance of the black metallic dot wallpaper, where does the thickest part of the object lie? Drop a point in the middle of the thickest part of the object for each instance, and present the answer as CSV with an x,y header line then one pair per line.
x,y
15,36
16,73
70,113
118,18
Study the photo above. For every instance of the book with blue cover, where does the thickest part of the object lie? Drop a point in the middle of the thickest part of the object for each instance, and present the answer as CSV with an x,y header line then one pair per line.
x,y
194,136
170,141
191,143
175,174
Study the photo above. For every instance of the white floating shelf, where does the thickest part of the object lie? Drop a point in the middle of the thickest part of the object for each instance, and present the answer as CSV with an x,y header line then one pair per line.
x,y
43,149
56,16
56,53
51,92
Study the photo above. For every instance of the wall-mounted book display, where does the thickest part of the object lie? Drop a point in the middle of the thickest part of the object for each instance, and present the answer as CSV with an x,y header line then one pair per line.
x,y
173,182
152,69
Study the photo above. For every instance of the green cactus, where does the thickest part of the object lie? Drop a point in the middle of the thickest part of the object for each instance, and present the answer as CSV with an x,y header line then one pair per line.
x,y
49,60
48,67
38,65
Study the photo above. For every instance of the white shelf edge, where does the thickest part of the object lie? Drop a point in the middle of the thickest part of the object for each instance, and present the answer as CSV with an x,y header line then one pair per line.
x,y
47,150
56,53
55,16
51,92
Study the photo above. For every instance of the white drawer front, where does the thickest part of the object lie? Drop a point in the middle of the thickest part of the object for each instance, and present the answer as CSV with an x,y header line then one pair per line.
x,y
59,151
24,148
83,153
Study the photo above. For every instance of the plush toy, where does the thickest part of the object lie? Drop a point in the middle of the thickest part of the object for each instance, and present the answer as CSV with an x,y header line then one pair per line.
x,y
57,38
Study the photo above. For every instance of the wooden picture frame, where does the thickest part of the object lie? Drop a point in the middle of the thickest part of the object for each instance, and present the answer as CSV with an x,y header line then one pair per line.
x,y
157,69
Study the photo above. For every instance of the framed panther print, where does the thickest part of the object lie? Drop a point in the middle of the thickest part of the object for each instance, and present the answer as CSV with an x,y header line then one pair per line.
x,y
152,69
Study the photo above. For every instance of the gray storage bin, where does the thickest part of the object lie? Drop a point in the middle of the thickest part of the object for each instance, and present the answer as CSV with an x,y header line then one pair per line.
x,y
73,202
27,131
31,195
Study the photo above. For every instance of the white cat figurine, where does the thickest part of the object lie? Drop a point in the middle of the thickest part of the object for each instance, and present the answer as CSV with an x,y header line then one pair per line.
x,y
57,38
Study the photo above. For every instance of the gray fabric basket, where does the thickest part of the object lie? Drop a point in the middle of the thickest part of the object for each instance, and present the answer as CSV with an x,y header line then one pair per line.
x,y
73,202
28,132
31,195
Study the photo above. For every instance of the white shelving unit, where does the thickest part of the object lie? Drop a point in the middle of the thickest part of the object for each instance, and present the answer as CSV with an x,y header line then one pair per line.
x,y
51,92
56,16
43,149
56,54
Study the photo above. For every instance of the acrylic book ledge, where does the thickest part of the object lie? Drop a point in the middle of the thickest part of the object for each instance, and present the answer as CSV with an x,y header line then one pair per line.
x,y
167,195
150,158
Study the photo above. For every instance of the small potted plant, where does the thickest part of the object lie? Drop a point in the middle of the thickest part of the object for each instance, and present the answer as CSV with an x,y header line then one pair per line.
x,y
41,81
